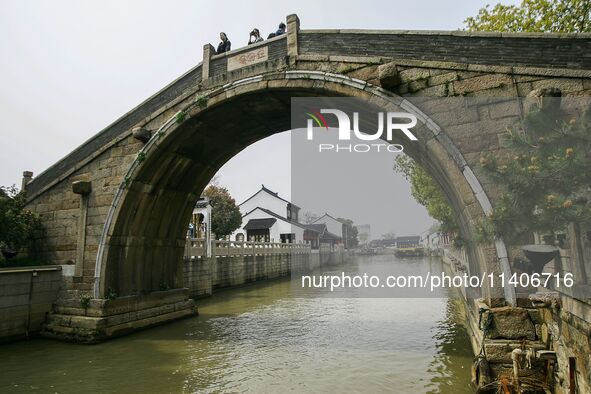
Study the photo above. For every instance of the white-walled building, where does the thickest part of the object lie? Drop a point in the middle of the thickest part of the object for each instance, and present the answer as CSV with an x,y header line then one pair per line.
x,y
200,224
263,225
363,233
266,217
333,225
271,201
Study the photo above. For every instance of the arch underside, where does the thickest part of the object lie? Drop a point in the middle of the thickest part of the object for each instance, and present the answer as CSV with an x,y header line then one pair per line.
x,y
145,239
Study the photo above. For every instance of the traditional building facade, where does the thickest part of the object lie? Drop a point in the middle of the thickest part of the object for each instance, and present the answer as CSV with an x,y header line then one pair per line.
x,y
316,234
333,225
412,241
264,225
270,200
266,217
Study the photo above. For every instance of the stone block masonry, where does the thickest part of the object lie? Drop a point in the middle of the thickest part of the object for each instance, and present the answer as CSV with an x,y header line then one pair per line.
x,y
84,320
239,266
26,297
125,236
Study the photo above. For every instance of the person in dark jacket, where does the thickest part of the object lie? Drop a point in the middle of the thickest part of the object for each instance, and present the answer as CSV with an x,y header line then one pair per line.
x,y
281,29
224,45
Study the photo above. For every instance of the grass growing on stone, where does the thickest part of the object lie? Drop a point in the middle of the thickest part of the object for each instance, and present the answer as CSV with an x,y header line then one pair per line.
x,y
202,102
181,116
85,301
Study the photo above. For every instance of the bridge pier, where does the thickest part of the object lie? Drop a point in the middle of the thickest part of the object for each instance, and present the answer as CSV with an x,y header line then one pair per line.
x,y
84,320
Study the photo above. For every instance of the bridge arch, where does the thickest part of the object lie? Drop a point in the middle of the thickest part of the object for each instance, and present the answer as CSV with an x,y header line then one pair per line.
x,y
142,242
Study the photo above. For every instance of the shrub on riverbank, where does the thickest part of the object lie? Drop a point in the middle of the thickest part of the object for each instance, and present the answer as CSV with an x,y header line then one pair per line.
x,y
19,228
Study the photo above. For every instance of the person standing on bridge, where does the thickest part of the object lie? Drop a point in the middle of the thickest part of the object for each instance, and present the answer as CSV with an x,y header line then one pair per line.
x,y
255,36
225,45
281,29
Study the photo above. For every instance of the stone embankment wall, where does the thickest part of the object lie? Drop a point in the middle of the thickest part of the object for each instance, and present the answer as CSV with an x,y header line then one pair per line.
x,y
26,297
202,275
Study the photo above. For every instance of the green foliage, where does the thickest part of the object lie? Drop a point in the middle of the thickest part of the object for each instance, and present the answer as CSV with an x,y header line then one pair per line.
x,y
534,16
201,101
19,227
85,301
111,294
547,180
350,233
181,117
141,157
427,192
225,216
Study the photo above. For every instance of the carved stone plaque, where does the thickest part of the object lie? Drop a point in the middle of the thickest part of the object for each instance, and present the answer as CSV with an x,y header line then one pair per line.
x,y
248,58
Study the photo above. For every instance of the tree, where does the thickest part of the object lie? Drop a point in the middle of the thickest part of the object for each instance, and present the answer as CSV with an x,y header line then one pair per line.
x,y
226,216
350,233
546,182
309,217
389,236
426,192
566,16
18,226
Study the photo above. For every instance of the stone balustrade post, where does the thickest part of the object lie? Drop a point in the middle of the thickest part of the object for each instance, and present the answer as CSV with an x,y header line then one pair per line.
x,y
293,29
27,177
208,52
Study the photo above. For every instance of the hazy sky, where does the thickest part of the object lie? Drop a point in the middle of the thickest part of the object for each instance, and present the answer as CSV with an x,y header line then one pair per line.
x,y
70,68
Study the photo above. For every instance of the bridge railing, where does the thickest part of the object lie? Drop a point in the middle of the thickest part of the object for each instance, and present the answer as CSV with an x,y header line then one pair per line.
x,y
457,257
197,247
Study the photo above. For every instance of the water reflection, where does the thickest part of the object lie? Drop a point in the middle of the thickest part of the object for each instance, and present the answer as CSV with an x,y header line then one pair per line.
x,y
265,338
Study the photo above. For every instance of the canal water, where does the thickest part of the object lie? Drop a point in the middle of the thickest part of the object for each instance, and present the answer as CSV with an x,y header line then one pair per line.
x,y
267,338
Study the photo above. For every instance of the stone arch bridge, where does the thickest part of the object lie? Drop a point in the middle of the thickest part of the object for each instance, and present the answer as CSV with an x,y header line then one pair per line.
x,y
117,206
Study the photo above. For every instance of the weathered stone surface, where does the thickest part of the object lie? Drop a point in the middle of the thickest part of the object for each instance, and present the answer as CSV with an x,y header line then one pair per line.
x,y
499,351
414,74
543,98
442,78
484,82
26,296
511,323
369,74
105,319
81,187
388,76
142,134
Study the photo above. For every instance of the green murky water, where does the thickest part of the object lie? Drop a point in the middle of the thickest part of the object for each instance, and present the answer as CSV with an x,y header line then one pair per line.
x,y
265,338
